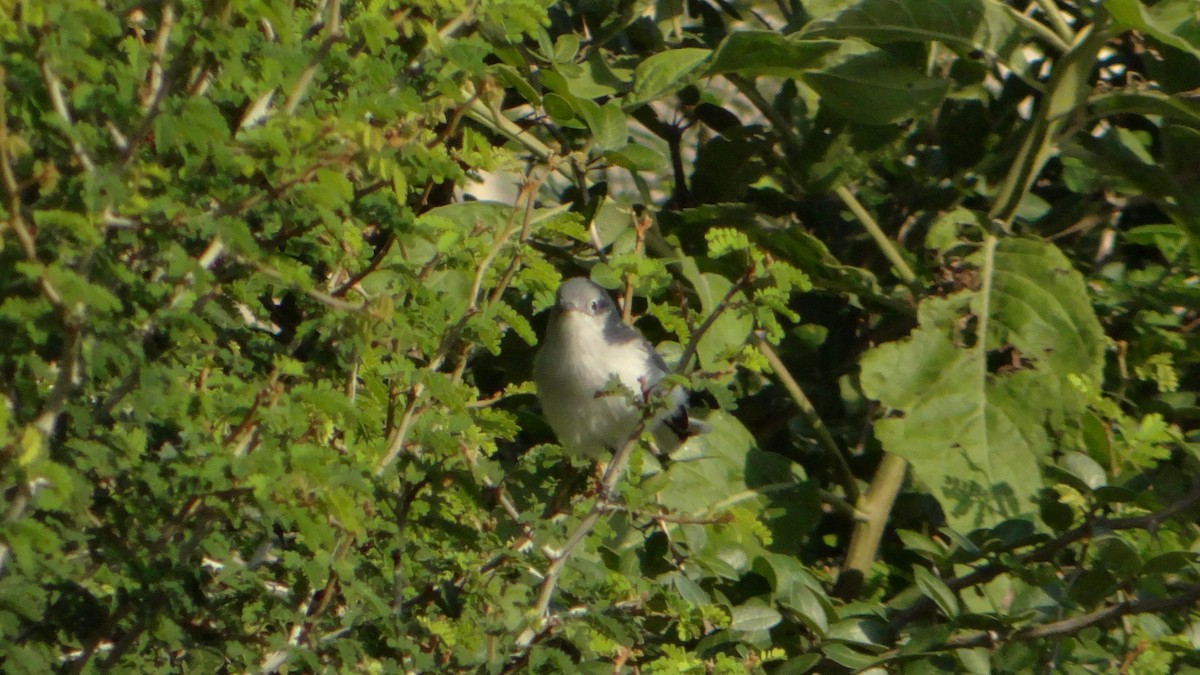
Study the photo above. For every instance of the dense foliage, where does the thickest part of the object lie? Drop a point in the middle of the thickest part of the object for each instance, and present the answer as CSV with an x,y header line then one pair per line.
x,y
931,266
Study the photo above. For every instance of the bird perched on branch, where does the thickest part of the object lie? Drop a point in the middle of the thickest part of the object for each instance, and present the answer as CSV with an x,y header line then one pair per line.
x,y
586,348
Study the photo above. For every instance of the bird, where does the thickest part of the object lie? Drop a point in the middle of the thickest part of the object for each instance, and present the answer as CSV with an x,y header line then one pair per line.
x,y
585,348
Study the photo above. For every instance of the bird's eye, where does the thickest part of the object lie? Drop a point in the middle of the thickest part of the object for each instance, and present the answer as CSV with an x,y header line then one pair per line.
x,y
596,306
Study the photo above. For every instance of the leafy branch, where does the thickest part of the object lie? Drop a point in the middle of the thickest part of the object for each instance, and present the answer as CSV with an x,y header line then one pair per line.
x,y
1045,552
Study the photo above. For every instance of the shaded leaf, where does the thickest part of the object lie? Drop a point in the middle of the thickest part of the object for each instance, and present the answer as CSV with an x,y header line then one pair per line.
x,y
869,86
936,590
760,52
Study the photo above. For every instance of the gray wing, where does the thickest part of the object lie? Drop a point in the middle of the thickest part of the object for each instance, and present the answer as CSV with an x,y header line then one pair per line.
x,y
616,332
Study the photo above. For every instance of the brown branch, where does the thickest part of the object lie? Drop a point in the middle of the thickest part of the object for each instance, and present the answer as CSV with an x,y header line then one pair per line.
x,y
376,261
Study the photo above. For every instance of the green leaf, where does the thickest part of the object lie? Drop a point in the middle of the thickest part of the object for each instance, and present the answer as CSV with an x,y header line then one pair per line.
x,y
964,24
850,658
936,590
915,541
514,80
1172,22
558,108
754,617
636,157
1171,562
798,665
805,602
664,73
608,126
761,52
869,86
985,377
975,661
863,631
1145,102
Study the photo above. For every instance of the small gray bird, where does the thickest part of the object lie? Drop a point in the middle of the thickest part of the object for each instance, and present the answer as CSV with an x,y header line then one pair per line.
x,y
586,346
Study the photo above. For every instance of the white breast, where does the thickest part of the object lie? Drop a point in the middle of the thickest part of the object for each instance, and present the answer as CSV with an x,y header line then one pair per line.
x,y
576,363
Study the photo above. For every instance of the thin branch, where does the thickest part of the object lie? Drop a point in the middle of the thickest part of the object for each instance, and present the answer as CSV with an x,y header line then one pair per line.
x,y
320,296
1188,595
842,506
693,344
1057,22
333,33
616,467
885,244
479,111
809,413
376,261
15,221
55,88
1036,27
141,132
155,78
400,435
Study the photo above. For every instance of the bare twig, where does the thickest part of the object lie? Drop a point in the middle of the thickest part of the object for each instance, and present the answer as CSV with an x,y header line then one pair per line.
x,y
689,351
15,221
400,433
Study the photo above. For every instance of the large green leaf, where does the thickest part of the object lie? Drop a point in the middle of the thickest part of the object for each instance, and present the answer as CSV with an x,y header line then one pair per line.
x,y
869,86
664,73
761,52
980,390
969,24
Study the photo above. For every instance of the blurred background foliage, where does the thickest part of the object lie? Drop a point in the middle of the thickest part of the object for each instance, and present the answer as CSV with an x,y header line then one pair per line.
x,y
274,272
